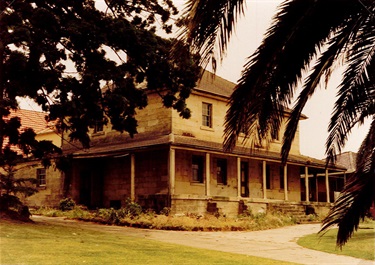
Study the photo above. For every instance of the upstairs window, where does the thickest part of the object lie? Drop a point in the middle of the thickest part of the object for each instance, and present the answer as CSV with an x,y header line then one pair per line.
x,y
197,168
276,137
207,114
221,171
41,176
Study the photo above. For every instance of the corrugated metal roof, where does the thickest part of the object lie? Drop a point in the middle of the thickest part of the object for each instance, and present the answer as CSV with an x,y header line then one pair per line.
x,y
129,144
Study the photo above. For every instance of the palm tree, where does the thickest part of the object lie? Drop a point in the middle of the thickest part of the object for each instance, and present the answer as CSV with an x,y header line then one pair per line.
x,y
307,36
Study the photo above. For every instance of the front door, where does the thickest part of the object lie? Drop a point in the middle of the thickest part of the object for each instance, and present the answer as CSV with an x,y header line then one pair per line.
x,y
85,188
244,179
91,187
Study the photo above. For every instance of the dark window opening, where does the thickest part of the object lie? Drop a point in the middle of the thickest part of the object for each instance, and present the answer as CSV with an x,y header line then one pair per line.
x,y
221,171
282,177
268,177
197,168
115,204
98,126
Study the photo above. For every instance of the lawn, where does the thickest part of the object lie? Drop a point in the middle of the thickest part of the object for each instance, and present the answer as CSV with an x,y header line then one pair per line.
x,y
361,245
53,244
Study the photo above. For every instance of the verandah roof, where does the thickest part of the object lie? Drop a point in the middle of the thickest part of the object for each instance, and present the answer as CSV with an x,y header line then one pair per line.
x,y
115,148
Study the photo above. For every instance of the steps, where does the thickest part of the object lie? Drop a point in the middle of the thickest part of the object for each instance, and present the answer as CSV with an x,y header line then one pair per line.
x,y
302,213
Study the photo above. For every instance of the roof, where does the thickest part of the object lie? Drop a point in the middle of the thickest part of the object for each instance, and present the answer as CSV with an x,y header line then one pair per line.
x,y
31,119
117,148
214,84
347,160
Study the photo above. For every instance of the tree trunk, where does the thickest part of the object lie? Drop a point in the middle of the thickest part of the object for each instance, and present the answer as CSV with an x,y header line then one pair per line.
x,y
2,90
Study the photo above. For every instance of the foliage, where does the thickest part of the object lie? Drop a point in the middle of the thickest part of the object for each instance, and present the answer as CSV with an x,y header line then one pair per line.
x,y
61,53
186,222
305,40
67,204
85,64
12,188
132,209
165,211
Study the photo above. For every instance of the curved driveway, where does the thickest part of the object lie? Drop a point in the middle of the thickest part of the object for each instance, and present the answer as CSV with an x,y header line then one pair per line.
x,y
278,244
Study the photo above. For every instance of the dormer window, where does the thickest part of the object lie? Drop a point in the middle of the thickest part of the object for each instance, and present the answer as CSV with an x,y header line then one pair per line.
x,y
207,114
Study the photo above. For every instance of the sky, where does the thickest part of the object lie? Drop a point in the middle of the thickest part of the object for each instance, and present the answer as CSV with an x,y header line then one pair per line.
x,y
247,37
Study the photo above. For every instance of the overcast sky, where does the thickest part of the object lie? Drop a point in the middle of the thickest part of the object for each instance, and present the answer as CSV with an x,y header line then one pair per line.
x,y
248,36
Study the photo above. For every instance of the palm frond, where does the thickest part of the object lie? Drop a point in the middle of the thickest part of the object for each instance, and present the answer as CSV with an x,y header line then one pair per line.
x,y
209,24
358,195
270,77
336,45
356,92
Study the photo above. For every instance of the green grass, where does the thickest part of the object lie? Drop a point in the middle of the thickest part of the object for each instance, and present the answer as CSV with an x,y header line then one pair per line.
x,y
53,244
361,245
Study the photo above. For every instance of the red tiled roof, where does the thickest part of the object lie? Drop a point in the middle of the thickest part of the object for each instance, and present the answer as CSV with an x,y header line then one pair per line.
x,y
29,119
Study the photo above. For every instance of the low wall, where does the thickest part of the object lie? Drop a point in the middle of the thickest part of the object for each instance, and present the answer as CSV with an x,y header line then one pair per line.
x,y
233,206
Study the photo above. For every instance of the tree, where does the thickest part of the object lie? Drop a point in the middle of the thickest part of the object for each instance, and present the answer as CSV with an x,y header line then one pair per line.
x,y
58,53
18,147
310,36
85,64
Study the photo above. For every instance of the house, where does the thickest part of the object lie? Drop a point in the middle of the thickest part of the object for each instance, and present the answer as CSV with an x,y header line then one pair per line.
x,y
349,161
49,180
180,163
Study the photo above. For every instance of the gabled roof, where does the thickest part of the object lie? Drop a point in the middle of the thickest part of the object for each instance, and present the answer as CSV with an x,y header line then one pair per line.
x,y
214,84
31,119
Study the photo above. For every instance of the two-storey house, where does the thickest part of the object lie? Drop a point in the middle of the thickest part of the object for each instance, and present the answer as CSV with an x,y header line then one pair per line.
x,y
180,163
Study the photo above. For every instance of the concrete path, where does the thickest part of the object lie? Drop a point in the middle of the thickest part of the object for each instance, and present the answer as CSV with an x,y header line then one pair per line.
x,y
278,244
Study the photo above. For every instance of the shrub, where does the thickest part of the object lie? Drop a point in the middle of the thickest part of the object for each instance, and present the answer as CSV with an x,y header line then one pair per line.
x,y
165,211
67,204
132,209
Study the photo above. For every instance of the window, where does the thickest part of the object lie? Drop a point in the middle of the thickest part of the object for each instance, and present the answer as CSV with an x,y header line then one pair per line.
x,y
268,177
41,176
207,114
98,126
221,171
275,136
197,169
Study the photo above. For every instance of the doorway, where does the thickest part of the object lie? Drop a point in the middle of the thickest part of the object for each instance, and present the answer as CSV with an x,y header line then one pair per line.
x,y
245,179
91,187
